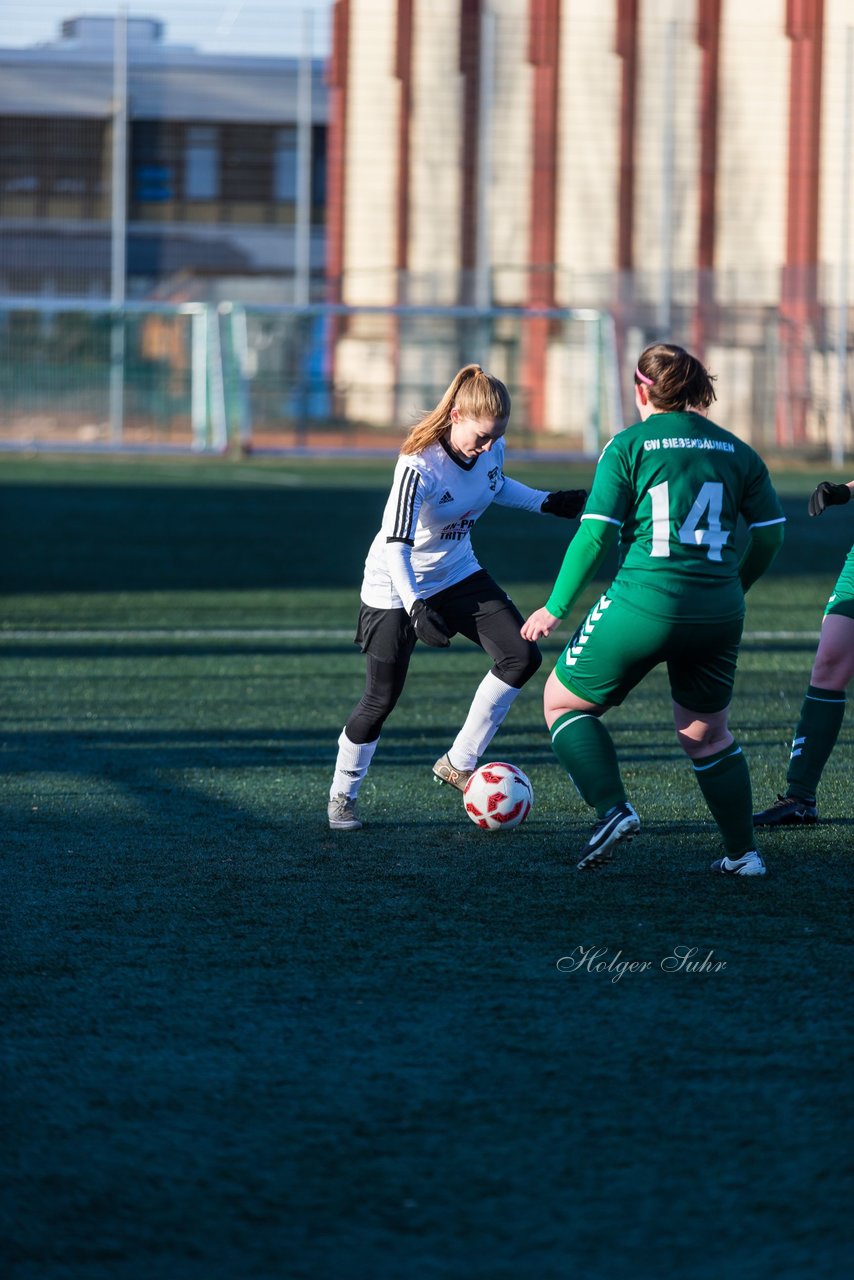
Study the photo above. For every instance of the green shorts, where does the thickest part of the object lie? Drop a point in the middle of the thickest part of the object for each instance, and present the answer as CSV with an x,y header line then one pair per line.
x,y
842,597
615,647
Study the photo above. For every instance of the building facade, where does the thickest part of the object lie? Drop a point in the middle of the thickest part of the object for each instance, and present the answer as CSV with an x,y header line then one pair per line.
x,y
212,151
682,166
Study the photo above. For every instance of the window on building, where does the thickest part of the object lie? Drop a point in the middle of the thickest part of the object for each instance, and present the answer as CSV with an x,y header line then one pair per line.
x,y
285,165
246,163
76,157
189,171
201,163
18,159
54,165
318,166
155,153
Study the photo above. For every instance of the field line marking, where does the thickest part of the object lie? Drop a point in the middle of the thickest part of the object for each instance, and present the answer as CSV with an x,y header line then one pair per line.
x,y
254,633
781,635
177,633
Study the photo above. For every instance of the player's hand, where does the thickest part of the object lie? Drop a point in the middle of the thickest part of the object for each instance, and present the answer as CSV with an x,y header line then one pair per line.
x,y
828,494
541,623
430,627
567,503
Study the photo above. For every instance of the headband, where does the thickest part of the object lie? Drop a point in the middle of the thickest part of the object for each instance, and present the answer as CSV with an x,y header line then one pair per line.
x,y
641,377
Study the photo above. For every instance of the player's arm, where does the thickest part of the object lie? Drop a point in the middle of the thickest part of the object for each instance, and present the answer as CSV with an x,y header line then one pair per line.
x,y
567,503
761,551
604,514
761,509
407,496
409,492
583,557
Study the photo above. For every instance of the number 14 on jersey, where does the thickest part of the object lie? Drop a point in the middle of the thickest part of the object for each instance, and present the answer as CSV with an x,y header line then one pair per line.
x,y
707,507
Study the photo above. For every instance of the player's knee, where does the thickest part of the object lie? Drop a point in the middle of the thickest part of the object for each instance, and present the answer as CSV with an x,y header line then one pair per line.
x,y
517,668
833,665
831,671
699,739
367,720
691,746
375,706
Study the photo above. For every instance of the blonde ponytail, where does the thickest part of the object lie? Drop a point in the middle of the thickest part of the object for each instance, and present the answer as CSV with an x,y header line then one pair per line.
x,y
476,394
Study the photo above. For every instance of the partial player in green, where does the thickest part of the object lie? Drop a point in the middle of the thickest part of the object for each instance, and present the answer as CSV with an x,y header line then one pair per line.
x,y
823,708
671,488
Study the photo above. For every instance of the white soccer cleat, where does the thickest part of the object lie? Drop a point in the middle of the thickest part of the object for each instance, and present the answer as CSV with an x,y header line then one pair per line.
x,y
341,812
621,824
749,864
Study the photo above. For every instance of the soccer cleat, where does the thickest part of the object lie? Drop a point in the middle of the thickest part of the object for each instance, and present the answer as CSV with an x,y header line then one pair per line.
x,y
444,771
749,864
787,811
341,812
622,823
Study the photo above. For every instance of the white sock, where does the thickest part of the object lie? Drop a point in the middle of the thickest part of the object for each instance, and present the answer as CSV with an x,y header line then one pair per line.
x,y
351,766
490,705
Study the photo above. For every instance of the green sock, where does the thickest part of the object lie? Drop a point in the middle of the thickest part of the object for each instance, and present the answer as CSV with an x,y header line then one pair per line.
x,y
583,746
725,783
815,737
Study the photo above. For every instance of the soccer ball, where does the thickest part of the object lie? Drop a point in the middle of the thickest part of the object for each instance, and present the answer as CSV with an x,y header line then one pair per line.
x,y
498,796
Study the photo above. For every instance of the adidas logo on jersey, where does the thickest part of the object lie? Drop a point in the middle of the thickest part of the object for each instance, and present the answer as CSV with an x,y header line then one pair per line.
x,y
447,496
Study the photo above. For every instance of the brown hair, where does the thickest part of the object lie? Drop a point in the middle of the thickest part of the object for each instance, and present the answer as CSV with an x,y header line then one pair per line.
x,y
476,394
675,380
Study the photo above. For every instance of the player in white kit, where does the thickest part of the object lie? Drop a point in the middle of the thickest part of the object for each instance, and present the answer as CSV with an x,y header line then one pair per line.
x,y
422,581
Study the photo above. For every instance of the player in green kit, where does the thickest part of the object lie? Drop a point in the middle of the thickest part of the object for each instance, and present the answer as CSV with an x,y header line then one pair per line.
x,y
823,707
671,488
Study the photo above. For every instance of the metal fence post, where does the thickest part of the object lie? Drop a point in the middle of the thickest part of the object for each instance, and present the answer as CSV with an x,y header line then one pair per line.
x,y
302,229
483,246
668,171
199,378
216,384
837,451
118,233
240,353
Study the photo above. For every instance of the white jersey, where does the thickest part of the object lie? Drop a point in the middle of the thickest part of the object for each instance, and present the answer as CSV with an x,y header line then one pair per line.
x,y
424,542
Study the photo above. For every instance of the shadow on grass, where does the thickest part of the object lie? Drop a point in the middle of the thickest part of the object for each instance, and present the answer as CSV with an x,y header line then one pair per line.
x,y
126,537
236,1038
86,649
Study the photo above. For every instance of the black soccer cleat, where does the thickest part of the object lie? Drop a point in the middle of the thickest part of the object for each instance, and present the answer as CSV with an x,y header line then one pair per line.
x,y
787,811
622,823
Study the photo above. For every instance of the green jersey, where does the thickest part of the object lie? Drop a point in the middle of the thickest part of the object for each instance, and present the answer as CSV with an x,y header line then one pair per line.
x,y
842,596
676,485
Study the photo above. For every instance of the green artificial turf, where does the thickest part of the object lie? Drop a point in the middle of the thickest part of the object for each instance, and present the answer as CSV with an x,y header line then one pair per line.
x,y
238,1046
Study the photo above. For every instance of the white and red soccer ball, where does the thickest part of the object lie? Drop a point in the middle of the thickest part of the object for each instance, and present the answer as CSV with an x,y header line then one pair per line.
x,y
498,796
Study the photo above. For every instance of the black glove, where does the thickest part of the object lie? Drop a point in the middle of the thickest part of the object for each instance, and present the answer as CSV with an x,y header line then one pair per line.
x,y
430,626
828,494
565,502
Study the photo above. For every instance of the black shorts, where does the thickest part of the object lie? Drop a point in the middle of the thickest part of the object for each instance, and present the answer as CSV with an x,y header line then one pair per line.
x,y
476,608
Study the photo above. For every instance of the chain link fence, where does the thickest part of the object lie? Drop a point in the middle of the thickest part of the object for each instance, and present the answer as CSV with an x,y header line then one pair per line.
x,y
215,377
166,259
